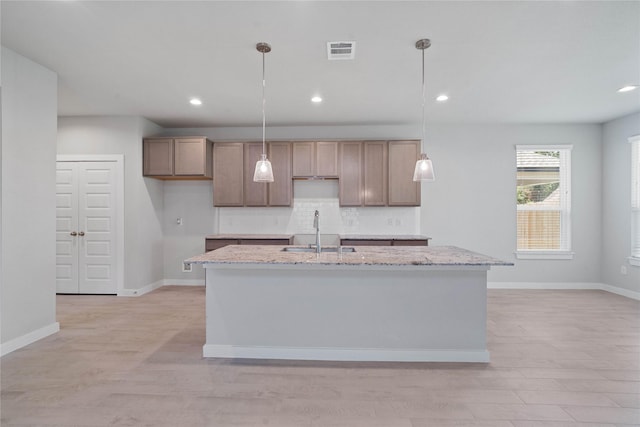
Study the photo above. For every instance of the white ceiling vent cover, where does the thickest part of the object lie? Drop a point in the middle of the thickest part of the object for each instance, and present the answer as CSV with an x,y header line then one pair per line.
x,y
341,50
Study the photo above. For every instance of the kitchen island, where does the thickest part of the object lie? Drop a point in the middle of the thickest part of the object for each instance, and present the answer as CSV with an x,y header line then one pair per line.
x,y
413,303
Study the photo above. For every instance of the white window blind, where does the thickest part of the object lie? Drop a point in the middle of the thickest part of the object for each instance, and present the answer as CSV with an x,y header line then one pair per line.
x,y
543,201
635,197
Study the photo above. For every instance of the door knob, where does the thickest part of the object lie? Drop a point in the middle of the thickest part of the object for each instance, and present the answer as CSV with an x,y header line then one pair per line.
x,y
81,233
73,233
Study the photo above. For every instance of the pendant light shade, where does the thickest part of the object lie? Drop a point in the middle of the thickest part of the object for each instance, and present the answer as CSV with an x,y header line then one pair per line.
x,y
263,171
424,167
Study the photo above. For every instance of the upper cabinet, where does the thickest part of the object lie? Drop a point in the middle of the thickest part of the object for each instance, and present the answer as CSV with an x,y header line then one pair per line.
x,y
280,191
234,165
370,173
315,159
350,181
363,173
374,173
228,174
255,193
403,191
177,158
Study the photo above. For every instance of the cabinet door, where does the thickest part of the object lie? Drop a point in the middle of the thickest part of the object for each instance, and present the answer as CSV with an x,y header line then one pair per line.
x,y
350,182
190,156
255,193
375,173
228,174
157,157
304,159
364,242
411,242
403,191
281,189
213,244
327,159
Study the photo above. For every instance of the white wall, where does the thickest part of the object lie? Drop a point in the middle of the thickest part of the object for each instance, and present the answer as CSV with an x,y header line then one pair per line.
x,y
616,203
471,204
144,205
27,291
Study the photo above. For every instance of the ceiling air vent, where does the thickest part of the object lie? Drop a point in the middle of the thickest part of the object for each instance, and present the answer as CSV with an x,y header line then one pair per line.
x,y
341,50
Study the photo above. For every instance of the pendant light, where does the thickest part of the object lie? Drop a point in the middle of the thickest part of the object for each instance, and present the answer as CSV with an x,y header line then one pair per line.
x,y
263,171
424,167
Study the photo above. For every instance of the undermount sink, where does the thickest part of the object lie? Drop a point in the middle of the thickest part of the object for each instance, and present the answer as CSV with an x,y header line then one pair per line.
x,y
324,249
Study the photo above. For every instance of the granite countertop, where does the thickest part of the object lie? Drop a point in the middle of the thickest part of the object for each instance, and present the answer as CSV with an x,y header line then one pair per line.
x,y
363,255
250,236
383,237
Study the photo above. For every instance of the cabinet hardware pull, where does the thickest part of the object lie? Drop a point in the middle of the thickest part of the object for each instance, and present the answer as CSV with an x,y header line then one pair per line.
x,y
73,233
81,233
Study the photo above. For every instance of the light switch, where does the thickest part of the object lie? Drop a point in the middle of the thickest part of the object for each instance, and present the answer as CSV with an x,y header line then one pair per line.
x,y
179,221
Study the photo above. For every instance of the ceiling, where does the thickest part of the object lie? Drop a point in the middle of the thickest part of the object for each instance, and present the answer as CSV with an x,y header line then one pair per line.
x,y
500,62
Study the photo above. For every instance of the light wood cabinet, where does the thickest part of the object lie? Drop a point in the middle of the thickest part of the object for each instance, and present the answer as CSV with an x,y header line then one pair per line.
x,y
403,191
327,159
228,174
363,173
234,166
350,180
177,158
280,191
255,193
382,241
315,158
211,243
375,167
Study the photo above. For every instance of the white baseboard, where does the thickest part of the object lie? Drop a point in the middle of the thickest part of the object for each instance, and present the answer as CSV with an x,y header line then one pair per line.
x,y
565,285
344,354
183,282
621,291
141,291
26,339
159,284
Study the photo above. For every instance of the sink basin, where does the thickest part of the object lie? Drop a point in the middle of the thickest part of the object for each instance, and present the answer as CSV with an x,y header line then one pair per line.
x,y
325,249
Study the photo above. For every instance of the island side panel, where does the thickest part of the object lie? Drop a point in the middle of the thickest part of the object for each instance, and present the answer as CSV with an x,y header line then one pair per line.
x,y
338,314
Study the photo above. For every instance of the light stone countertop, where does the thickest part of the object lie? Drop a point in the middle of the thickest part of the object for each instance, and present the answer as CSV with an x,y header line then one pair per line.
x,y
363,255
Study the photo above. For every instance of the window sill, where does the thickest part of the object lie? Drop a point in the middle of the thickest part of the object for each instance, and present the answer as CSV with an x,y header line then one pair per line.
x,y
634,261
544,254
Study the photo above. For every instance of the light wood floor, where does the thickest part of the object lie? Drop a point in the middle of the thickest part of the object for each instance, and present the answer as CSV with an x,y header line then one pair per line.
x,y
559,358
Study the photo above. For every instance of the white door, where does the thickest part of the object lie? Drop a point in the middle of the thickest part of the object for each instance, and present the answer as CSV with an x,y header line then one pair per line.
x,y
85,228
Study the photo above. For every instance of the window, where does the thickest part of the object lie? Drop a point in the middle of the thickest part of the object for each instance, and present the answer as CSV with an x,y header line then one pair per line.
x,y
543,200
635,200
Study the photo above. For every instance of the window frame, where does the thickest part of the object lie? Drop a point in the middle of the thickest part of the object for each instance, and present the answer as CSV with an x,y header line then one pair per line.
x,y
634,250
565,252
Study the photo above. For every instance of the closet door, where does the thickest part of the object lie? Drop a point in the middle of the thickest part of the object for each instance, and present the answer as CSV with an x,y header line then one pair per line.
x,y
66,228
86,232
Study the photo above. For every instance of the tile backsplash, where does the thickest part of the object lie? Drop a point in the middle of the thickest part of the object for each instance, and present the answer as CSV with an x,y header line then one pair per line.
x,y
310,196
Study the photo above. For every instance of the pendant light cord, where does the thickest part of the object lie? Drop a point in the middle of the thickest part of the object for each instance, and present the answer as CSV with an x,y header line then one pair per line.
x,y
424,101
264,119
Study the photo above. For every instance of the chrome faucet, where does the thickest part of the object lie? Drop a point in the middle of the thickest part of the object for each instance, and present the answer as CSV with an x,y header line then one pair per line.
x,y
316,225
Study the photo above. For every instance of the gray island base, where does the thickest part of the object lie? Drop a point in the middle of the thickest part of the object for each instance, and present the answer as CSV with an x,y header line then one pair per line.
x,y
411,304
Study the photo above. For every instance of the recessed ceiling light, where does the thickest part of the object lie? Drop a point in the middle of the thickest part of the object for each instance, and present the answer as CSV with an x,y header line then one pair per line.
x,y
442,98
316,99
627,88
195,101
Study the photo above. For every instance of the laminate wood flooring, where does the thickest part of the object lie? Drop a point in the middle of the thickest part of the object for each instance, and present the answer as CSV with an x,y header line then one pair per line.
x,y
558,358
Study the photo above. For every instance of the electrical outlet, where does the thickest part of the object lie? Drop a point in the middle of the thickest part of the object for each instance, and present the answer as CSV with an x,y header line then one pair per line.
x,y
623,270
187,267
389,221
398,222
